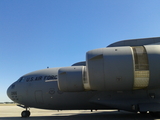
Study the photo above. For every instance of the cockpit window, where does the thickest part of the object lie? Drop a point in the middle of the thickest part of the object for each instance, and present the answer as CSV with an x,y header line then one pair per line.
x,y
21,79
13,86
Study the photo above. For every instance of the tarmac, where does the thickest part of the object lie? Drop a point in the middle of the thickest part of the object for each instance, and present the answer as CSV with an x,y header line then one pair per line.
x,y
14,113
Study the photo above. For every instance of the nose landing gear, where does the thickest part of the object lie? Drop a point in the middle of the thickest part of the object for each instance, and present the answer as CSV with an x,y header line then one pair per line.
x,y
26,113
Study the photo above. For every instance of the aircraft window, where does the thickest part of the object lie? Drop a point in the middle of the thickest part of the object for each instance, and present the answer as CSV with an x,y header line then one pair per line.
x,y
21,79
13,86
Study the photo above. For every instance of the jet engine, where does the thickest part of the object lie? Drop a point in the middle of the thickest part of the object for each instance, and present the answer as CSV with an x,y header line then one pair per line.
x,y
114,68
70,79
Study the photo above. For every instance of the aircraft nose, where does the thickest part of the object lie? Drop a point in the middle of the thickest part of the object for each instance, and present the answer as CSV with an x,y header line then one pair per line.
x,y
9,91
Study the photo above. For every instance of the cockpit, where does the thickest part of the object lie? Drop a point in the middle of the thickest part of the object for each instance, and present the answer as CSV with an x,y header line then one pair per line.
x,y
21,79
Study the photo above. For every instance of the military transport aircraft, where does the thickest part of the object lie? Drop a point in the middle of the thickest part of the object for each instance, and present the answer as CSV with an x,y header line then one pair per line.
x,y
124,76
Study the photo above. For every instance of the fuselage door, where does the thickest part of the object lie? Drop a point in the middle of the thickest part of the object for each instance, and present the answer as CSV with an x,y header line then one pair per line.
x,y
39,97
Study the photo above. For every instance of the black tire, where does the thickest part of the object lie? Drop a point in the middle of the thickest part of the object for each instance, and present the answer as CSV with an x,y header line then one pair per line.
x,y
25,114
28,113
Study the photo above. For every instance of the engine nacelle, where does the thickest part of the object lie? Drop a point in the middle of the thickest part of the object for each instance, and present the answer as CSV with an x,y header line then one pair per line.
x,y
70,79
124,68
110,68
114,68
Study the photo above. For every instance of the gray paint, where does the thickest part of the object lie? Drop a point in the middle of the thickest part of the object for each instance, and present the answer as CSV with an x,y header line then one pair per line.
x,y
108,74
70,79
153,52
136,42
110,68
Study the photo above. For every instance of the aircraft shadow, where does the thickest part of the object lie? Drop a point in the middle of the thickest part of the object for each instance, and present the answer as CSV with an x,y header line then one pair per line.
x,y
89,116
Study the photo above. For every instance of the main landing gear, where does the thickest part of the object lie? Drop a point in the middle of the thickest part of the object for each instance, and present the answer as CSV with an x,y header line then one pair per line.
x,y
26,113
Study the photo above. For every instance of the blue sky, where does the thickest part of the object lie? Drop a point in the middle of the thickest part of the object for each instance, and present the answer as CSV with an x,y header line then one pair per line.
x,y
35,34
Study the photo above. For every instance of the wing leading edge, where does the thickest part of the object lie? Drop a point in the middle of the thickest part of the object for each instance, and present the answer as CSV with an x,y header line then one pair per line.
x,y
136,42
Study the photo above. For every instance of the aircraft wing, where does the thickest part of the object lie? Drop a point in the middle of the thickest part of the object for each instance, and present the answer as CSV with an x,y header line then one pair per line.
x,y
136,42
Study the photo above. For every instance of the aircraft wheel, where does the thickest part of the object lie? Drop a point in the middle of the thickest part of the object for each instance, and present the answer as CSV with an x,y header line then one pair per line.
x,y
28,113
25,114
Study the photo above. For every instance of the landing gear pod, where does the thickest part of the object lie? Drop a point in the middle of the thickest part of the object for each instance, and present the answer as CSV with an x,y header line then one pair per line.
x,y
70,79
